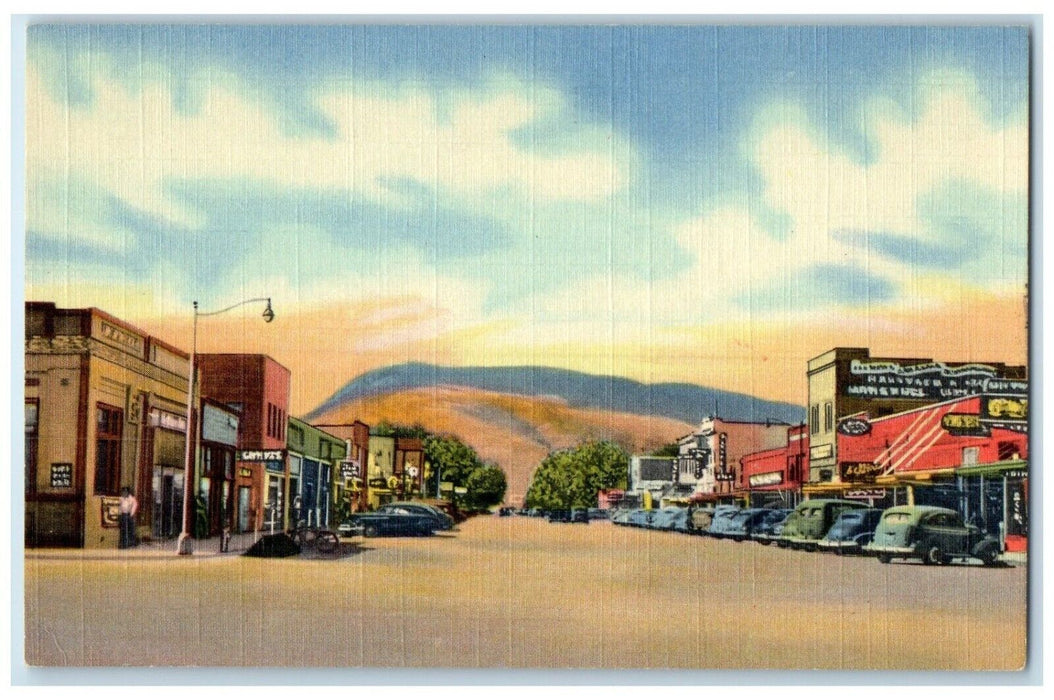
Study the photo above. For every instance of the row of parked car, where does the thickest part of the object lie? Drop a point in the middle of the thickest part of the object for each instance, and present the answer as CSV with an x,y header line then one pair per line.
x,y
930,533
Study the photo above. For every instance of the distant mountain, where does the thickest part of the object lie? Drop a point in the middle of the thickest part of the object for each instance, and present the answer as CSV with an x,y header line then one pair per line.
x,y
687,403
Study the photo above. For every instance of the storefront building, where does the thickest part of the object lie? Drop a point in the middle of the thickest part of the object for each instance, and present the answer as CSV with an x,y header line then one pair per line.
x,y
773,478
314,468
350,491
381,482
848,381
257,388
968,454
718,446
648,479
218,443
105,408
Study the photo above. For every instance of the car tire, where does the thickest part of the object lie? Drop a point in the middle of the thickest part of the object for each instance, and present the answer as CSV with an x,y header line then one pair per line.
x,y
370,531
933,556
989,557
885,558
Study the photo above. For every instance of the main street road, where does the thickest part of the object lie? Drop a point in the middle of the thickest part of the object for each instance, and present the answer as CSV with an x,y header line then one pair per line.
x,y
520,592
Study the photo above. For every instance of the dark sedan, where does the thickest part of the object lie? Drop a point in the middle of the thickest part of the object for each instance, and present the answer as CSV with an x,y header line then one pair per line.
x,y
851,531
443,521
393,520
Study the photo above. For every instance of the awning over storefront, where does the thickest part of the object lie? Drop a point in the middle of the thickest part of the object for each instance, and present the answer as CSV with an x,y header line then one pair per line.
x,y
1012,467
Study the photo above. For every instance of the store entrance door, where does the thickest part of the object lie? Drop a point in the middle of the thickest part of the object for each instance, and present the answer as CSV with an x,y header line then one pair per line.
x,y
243,508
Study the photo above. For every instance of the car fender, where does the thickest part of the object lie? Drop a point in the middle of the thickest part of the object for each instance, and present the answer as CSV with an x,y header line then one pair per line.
x,y
988,543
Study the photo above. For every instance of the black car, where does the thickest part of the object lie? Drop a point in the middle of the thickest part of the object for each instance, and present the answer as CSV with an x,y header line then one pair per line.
x,y
443,522
560,515
580,515
392,520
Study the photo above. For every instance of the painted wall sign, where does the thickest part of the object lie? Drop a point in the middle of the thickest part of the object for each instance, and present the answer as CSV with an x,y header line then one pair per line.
x,y
854,427
859,471
61,475
929,380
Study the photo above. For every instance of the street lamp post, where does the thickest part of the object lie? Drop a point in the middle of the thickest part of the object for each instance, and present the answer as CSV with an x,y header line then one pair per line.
x,y
182,546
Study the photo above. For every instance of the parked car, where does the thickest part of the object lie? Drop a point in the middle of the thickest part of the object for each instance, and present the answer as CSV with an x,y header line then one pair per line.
x,y
778,528
934,535
851,531
443,521
580,515
506,511
743,523
765,532
392,520
560,515
699,519
680,521
812,519
598,514
722,520
665,517
641,517
621,517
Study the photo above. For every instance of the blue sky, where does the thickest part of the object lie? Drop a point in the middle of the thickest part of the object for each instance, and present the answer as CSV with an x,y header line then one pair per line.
x,y
561,182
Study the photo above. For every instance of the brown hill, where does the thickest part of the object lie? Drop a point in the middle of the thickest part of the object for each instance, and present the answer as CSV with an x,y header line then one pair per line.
x,y
515,432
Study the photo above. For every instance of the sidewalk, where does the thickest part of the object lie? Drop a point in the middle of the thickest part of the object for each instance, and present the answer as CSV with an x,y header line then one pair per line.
x,y
156,549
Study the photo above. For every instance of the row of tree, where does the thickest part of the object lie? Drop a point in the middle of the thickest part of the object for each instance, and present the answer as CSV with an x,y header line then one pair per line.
x,y
448,459
572,478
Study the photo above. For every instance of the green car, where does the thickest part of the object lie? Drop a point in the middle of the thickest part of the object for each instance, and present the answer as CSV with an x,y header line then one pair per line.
x,y
934,535
811,520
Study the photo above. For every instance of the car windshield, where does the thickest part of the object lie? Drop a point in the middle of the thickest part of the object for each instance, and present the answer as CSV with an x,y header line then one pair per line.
x,y
897,518
845,517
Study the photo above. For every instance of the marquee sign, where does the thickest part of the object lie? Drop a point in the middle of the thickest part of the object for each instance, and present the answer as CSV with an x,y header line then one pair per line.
x,y
766,479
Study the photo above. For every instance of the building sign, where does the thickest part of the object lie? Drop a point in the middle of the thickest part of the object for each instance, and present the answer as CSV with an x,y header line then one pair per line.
x,y
111,511
245,472
61,475
377,483
273,460
120,337
929,380
854,427
261,456
964,425
865,494
349,469
859,471
218,426
821,451
766,479
167,421
1004,409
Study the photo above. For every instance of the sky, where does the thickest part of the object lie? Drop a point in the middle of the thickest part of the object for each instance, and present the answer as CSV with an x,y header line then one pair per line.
x,y
711,204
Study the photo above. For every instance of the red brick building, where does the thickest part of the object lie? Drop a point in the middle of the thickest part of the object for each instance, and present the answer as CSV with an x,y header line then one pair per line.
x,y
773,478
258,387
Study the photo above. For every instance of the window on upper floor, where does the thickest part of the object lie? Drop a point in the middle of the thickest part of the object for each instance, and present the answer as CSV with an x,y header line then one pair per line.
x,y
108,423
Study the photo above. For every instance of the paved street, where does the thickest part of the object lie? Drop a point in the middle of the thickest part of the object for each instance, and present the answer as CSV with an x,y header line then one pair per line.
x,y
520,592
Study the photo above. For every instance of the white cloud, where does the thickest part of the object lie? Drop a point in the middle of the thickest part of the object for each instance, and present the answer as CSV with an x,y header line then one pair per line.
x,y
131,144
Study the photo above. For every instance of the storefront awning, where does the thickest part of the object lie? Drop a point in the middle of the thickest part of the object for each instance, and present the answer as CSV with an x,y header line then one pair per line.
x,y
993,468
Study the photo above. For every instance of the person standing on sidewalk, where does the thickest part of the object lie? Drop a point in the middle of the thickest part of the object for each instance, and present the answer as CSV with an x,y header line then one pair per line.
x,y
128,507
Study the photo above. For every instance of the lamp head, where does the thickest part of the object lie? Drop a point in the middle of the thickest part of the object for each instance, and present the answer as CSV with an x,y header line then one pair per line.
x,y
268,314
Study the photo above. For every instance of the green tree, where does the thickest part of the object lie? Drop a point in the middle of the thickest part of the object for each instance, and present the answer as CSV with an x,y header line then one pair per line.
x,y
571,478
453,459
486,487
671,450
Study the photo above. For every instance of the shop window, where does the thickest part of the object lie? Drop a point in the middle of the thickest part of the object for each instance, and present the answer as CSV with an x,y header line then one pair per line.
x,y
970,456
108,423
1009,449
32,434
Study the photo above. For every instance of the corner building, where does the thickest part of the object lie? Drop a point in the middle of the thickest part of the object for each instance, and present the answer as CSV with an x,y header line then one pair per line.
x,y
105,407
